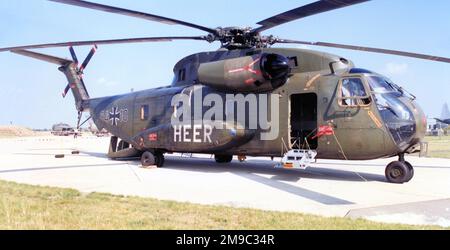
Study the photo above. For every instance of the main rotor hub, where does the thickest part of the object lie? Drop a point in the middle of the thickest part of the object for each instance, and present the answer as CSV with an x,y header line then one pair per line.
x,y
240,38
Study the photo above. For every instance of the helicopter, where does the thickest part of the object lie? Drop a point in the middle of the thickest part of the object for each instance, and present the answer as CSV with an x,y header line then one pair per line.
x,y
250,99
445,121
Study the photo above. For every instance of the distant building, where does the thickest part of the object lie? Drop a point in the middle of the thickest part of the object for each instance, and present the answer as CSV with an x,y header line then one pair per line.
x,y
445,114
62,129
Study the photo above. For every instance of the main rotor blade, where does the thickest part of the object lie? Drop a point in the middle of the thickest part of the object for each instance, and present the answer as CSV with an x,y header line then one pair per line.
x,y
369,49
101,42
43,57
132,13
305,11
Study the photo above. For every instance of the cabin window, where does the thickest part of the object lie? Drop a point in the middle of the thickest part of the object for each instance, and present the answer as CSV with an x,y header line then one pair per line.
x,y
293,61
353,93
144,112
182,74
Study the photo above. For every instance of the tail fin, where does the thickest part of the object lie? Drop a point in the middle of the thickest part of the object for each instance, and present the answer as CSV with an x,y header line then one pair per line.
x,y
439,120
73,73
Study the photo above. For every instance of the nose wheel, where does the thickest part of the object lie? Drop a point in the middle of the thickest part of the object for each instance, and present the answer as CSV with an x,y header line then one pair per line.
x,y
399,171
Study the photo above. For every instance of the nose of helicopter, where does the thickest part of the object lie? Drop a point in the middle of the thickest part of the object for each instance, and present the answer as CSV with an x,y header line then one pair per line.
x,y
421,121
404,119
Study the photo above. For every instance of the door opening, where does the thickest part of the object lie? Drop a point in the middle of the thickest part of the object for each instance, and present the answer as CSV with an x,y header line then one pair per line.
x,y
303,121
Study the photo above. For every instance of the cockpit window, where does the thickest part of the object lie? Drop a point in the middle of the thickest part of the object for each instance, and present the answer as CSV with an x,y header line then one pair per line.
x,y
381,84
182,74
353,92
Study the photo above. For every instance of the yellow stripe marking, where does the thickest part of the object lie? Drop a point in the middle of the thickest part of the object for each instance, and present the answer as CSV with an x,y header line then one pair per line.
x,y
311,81
375,119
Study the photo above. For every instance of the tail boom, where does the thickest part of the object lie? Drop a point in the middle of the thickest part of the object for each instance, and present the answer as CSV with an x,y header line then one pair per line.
x,y
72,73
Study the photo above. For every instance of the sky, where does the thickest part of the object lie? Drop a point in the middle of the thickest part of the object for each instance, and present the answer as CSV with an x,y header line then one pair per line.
x,y
30,93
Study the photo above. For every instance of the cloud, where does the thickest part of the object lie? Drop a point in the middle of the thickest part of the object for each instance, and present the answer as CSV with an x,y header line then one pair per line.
x,y
396,68
101,80
105,82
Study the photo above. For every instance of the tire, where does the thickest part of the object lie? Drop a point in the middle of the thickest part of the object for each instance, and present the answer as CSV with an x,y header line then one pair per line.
x,y
411,171
159,159
148,159
397,172
223,158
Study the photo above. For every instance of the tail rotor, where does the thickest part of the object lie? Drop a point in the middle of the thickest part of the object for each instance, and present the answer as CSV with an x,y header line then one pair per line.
x,y
80,69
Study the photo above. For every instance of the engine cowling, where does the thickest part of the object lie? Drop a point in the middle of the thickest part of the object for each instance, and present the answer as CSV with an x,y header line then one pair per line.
x,y
257,73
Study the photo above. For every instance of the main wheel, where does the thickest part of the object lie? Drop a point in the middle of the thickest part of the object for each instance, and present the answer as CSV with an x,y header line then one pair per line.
x,y
397,172
148,159
159,159
223,158
411,171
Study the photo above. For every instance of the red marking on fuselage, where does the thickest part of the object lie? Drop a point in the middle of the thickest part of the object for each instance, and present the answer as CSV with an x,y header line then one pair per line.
x,y
153,137
250,81
248,68
324,130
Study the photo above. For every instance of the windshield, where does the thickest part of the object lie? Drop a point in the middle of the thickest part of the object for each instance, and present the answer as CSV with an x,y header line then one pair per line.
x,y
382,84
397,117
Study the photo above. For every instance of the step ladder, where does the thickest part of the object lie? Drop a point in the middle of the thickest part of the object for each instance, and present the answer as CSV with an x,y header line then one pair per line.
x,y
297,159
186,155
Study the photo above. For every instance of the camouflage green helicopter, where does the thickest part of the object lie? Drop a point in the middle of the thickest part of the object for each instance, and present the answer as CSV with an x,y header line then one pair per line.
x,y
248,99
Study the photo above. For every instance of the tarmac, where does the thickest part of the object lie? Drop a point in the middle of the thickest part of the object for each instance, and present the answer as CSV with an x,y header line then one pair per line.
x,y
355,189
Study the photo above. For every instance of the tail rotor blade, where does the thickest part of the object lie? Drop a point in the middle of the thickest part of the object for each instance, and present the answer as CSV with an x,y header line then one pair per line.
x,y
88,58
66,90
74,56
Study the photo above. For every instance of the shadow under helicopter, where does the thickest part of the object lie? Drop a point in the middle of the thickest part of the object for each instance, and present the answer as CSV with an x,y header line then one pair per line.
x,y
282,179
207,165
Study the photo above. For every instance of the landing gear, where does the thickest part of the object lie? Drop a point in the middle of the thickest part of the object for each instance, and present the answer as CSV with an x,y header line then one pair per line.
x,y
399,171
150,159
159,159
223,158
242,158
411,171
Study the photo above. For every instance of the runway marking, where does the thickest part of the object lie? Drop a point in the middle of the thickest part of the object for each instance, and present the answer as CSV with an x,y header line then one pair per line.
x,y
134,172
58,167
299,191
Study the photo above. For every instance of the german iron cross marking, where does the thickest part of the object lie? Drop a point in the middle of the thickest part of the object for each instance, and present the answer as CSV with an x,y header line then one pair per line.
x,y
114,116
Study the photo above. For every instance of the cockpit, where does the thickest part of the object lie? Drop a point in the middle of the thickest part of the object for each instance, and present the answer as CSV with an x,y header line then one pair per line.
x,y
391,103
394,104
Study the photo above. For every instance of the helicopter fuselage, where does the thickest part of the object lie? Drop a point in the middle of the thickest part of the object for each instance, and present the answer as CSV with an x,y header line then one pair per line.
x,y
379,122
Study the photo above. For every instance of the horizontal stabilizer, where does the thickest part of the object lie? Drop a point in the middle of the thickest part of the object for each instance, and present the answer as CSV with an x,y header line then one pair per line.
x,y
43,57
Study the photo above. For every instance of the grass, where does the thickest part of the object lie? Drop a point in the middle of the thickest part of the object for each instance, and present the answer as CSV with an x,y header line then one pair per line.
x,y
438,146
34,207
